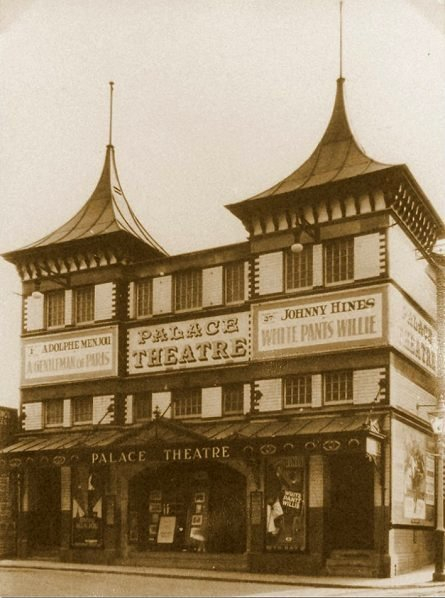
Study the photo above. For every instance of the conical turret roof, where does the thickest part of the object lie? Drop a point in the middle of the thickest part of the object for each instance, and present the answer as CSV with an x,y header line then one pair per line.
x,y
106,211
338,156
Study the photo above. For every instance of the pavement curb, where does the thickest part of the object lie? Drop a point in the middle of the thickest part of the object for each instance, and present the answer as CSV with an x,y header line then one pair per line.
x,y
233,577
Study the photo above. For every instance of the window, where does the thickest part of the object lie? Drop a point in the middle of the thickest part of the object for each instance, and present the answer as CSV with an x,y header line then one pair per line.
x,y
188,289
233,399
55,308
187,403
299,269
84,304
54,412
142,406
82,410
144,297
234,282
338,387
339,256
297,390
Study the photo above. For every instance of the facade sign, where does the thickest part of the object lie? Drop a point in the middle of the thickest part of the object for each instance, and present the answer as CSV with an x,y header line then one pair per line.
x,y
411,333
191,343
325,322
69,355
412,476
196,453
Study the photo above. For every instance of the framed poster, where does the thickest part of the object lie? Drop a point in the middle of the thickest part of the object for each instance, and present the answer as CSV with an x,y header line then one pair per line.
x,y
87,507
166,530
285,504
412,475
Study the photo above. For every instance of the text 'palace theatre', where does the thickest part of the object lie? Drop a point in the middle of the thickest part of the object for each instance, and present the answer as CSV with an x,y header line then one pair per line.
x,y
253,406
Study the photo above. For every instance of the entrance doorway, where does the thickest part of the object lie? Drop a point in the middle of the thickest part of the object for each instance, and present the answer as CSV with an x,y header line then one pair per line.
x,y
182,507
45,515
351,508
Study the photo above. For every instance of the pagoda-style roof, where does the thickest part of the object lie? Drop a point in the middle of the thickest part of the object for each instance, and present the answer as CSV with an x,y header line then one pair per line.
x,y
106,212
338,156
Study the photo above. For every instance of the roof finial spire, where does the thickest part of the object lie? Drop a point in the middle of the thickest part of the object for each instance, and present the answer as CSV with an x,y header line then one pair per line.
x,y
341,39
110,141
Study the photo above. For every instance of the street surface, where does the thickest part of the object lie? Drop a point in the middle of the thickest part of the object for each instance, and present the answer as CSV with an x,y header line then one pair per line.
x,y
34,582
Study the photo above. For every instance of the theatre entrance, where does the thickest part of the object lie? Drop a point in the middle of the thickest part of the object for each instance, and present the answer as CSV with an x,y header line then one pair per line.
x,y
182,507
351,505
45,510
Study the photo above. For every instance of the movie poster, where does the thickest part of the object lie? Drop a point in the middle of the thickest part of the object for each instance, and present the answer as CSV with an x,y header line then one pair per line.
x,y
286,504
87,506
412,476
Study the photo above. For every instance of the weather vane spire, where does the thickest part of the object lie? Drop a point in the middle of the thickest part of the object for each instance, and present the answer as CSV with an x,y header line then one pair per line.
x,y
341,39
110,141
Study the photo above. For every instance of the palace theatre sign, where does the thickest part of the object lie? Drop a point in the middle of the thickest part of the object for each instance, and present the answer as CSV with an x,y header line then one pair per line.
x,y
191,343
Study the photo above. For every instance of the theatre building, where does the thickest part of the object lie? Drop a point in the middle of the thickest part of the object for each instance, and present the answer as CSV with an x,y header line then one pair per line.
x,y
259,406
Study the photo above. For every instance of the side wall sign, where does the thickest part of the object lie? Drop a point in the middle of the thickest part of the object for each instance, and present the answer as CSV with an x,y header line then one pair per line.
x,y
75,355
189,343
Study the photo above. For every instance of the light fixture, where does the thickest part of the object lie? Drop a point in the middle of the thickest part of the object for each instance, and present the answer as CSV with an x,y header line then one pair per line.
x,y
37,293
303,226
437,418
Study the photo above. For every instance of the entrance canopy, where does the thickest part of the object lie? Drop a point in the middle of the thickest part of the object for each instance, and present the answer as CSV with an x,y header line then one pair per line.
x,y
165,440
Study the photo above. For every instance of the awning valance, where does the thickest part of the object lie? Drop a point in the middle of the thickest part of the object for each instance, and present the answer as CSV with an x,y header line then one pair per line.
x,y
167,440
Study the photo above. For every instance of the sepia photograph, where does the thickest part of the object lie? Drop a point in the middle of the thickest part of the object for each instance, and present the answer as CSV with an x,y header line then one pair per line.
x,y
222,297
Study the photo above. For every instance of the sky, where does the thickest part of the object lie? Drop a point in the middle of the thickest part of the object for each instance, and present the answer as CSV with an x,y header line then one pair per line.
x,y
215,101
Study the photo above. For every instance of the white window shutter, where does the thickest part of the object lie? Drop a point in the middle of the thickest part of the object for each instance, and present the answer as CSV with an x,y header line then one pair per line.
x,y
270,273
317,391
246,389
366,256
211,402
100,407
129,409
317,265
163,401
33,416
131,308
68,307
212,286
34,312
271,399
104,301
162,295
67,413
246,281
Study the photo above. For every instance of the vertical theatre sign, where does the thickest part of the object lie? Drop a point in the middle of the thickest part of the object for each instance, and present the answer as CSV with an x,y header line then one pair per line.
x,y
77,355
188,344
326,322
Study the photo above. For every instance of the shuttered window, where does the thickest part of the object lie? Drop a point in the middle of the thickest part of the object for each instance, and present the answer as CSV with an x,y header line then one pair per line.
x,y
188,290
84,304
299,269
186,402
55,308
144,297
233,399
82,410
142,406
339,260
338,387
297,391
234,277
54,412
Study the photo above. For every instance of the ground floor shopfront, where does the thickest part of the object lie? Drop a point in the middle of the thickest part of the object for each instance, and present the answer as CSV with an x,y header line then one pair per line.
x,y
255,499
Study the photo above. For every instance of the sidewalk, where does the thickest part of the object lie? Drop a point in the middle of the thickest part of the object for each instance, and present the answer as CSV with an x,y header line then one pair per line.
x,y
420,578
